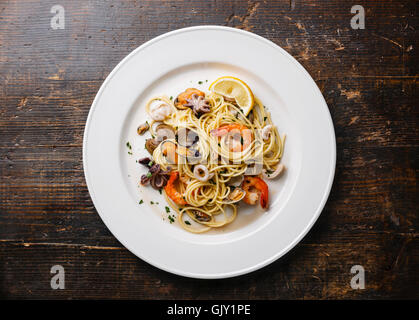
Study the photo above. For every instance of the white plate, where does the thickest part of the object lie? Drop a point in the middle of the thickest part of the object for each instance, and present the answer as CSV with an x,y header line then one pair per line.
x,y
169,64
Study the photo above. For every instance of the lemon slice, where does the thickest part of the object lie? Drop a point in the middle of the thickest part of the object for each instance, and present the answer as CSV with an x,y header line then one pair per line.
x,y
234,88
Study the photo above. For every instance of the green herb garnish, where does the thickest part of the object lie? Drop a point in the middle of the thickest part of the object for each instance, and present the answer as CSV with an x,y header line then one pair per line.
x,y
187,222
128,145
199,82
167,209
149,174
171,219
141,201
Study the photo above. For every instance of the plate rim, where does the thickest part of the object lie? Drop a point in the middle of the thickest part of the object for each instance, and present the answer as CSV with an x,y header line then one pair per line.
x,y
316,214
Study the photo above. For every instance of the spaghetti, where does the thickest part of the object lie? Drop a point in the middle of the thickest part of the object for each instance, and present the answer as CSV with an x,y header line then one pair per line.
x,y
216,157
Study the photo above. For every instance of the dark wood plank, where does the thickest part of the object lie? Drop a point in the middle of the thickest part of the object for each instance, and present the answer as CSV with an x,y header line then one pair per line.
x,y
320,270
48,80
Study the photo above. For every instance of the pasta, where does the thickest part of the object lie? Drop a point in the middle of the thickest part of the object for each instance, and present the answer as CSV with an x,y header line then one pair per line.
x,y
216,157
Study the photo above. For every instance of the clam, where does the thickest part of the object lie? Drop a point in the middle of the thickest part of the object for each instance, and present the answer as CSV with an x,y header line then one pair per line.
x,y
187,137
201,217
236,195
151,145
164,132
236,181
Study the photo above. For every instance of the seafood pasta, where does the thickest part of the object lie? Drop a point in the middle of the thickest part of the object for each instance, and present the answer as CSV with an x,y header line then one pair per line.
x,y
210,151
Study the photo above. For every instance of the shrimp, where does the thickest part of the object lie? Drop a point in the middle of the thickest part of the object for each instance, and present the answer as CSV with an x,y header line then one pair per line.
x,y
171,191
240,137
182,98
255,189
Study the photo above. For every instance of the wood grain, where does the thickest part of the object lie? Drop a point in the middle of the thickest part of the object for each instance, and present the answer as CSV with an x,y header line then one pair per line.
x,y
48,80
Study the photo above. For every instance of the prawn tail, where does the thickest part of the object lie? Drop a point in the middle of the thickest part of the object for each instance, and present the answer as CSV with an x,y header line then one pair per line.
x,y
264,200
171,191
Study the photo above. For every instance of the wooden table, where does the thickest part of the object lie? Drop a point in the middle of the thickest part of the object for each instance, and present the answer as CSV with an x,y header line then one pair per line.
x,y
49,78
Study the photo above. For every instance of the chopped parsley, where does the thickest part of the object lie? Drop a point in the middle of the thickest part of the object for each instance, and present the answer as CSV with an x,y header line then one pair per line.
x,y
167,209
171,97
151,202
160,191
171,219
141,201
128,145
200,82
149,174
187,222
264,119
130,153
241,140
